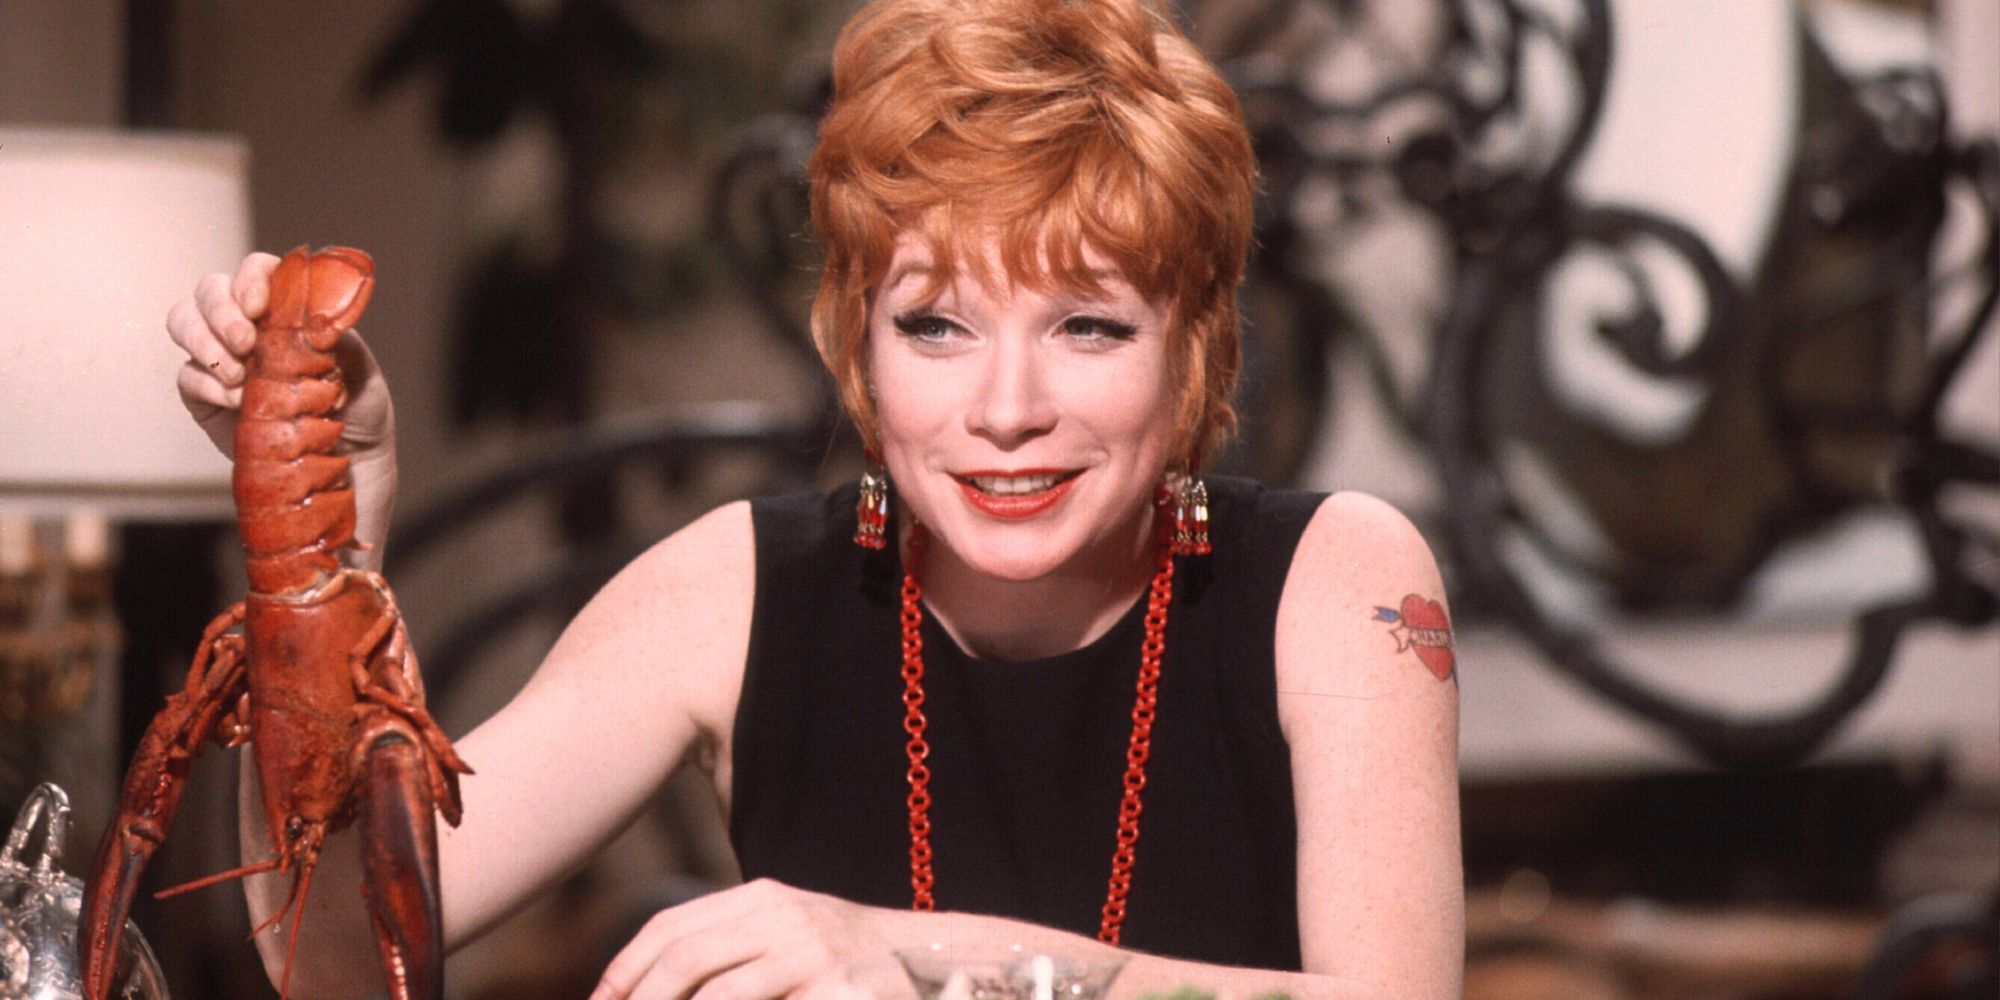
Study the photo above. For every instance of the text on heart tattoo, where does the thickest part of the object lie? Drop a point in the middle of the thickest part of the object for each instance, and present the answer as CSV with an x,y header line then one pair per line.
x,y
1420,624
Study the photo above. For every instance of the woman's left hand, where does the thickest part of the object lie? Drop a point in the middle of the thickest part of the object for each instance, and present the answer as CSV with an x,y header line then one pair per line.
x,y
756,941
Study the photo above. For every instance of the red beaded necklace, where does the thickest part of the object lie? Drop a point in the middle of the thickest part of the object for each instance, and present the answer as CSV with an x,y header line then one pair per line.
x,y
1140,746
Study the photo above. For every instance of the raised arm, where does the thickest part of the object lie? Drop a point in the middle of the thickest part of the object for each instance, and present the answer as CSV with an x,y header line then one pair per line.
x,y
643,678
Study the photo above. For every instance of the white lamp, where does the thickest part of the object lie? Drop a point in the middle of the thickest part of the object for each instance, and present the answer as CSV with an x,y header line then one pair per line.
x,y
100,232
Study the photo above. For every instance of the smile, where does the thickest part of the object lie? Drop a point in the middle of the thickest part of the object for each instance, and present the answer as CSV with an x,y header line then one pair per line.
x,y
1016,495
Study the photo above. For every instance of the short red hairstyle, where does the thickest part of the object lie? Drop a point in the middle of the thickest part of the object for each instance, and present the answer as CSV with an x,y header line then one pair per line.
x,y
1051,125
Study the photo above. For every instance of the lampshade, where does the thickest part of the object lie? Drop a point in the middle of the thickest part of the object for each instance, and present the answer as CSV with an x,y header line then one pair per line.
x,y
100,232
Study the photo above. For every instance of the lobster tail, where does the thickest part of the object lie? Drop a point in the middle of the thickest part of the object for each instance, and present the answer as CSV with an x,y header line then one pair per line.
x,y
324,291
289,285
293,496
342,282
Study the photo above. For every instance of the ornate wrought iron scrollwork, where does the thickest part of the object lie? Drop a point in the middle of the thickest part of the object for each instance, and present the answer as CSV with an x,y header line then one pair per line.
x,y
1803,394
1454,139
759,214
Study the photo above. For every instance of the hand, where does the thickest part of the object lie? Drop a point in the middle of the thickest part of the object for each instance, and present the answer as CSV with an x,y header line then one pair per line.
x,y
756,941
217,328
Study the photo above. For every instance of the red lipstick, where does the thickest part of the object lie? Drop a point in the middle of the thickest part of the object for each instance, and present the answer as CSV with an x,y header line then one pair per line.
x,y
1020,506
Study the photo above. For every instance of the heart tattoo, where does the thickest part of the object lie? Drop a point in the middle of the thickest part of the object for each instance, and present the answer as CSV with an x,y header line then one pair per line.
x,y
1421,625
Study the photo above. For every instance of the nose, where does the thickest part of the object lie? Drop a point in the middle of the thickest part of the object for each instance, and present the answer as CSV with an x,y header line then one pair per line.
x,y
1013,404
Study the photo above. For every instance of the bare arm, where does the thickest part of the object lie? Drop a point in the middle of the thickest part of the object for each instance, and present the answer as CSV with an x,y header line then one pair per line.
x,y
766,939
609,702
1369,704
1373,731
644,676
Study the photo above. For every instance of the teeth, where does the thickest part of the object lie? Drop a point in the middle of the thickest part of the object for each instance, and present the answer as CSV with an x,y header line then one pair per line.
x,y
1013,486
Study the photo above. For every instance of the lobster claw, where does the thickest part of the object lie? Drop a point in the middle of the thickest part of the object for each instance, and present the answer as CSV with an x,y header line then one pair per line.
x,y
107,903
399,852
151,796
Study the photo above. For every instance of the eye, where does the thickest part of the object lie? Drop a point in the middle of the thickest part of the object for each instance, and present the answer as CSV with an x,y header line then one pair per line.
x,y
1099,328
926,326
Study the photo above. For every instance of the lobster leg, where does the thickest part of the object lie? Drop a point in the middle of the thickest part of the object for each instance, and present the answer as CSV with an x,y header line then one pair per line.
x,y
391,680
152,793
408,773
399,854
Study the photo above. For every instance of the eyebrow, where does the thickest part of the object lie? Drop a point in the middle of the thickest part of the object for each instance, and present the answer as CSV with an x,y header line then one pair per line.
x,y
910,270
918,269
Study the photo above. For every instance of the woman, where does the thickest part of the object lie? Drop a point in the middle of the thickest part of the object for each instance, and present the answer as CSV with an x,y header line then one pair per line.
x,y
1035,215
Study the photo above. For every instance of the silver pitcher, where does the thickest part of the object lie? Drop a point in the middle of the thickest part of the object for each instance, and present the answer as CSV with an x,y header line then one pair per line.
x,y
38,917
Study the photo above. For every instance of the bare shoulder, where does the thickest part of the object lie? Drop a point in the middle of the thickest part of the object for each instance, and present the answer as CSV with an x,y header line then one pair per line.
x,y
692,567
1368,702
1355,536
1363,603
674,624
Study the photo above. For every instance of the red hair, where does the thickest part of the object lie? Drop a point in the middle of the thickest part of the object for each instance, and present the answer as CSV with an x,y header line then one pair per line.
x,y
1052,125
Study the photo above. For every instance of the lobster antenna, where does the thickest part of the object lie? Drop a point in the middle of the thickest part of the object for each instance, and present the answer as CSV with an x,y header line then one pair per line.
x,y
205,881
291,898
272,919
298,917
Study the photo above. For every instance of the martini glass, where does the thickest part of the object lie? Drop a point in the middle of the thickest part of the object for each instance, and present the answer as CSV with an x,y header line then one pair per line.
x,y
1005,972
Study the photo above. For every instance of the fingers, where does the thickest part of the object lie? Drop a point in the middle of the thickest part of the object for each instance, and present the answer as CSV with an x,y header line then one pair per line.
x,y
211,382
204,394
205,348
251,287
733,970
697,962
369,414
759,940
215,329
223,315
835,989
211,403
690,921
771,976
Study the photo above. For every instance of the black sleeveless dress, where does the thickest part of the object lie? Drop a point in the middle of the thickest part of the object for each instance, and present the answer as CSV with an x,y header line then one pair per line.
x,y
1027,759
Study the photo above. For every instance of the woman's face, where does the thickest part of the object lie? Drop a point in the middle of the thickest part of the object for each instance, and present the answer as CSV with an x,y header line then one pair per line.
x,y
1025,430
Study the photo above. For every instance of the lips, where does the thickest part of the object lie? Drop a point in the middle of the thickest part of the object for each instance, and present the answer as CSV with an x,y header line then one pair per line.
x,y
1015,494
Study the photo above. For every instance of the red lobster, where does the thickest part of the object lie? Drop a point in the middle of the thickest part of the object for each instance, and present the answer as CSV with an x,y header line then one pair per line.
x,y
320,681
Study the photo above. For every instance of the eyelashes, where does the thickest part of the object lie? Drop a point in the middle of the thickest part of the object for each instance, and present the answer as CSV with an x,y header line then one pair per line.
x,y
926,325
923,325
1100,326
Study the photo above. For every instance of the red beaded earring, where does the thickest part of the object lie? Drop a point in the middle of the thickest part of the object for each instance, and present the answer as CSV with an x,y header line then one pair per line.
x,y
871,512
1191,518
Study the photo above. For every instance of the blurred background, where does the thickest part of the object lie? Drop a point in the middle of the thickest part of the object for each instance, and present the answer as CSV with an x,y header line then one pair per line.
x,y
1669,321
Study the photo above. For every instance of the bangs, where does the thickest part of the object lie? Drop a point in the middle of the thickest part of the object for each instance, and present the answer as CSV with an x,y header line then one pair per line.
x,y
1048,248
1052,130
